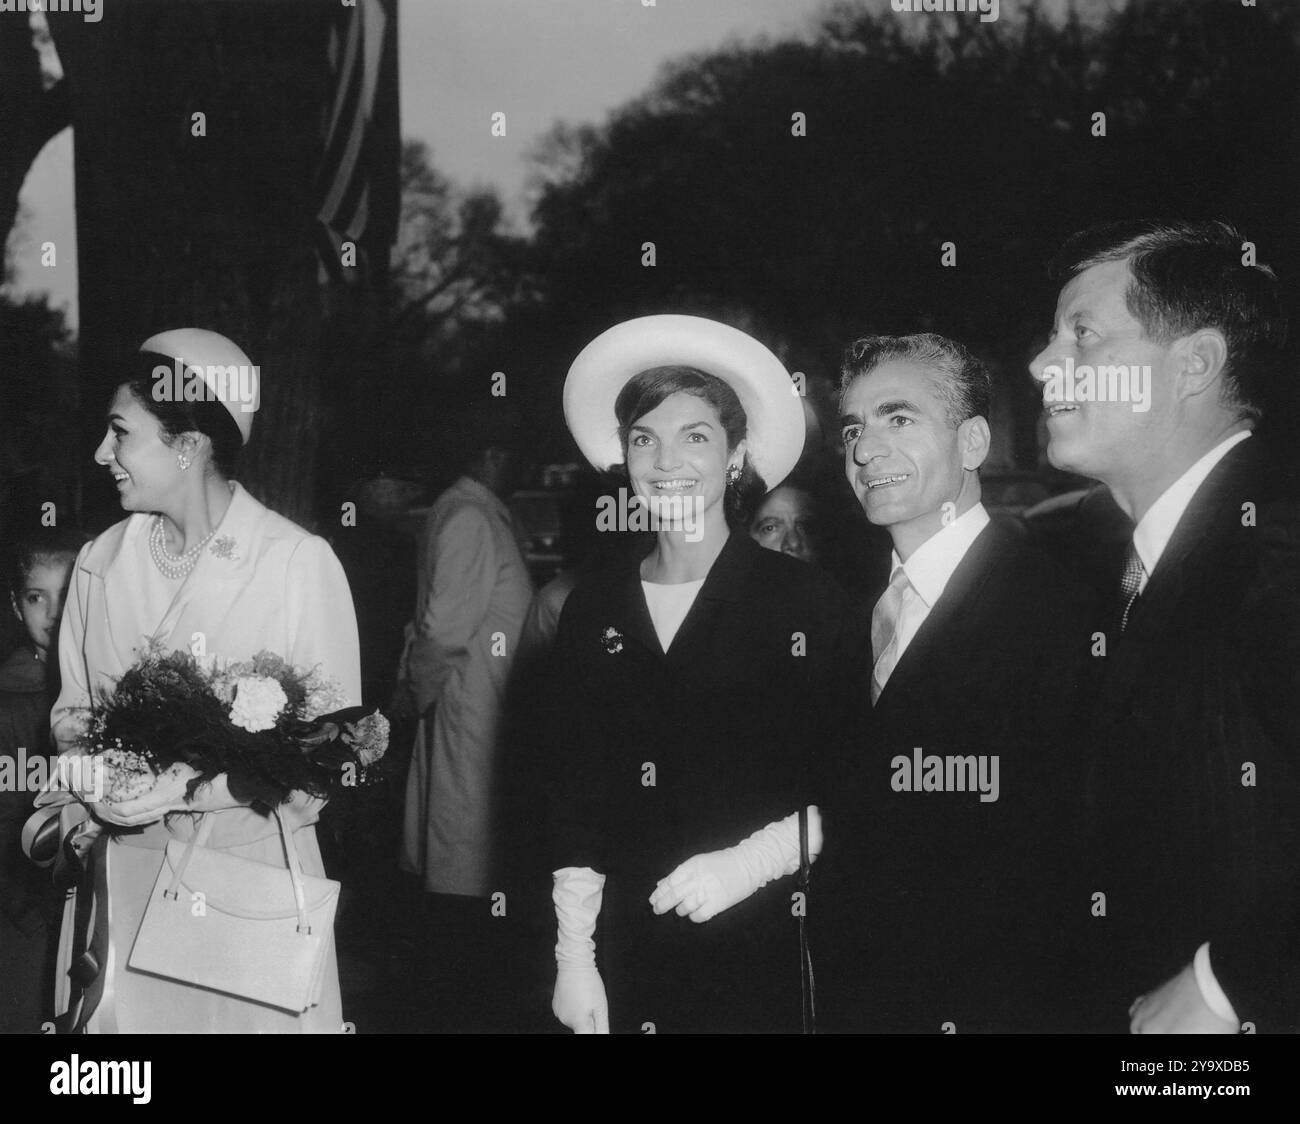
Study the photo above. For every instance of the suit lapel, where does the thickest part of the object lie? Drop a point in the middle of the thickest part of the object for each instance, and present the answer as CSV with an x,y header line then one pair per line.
x,y
631,617
935,632
724,584
1197,558
1134,651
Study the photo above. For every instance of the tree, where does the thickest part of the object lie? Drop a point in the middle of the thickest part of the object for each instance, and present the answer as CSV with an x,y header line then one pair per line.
x,y
457,272
204,220
35,109
456,265
39,403
918,133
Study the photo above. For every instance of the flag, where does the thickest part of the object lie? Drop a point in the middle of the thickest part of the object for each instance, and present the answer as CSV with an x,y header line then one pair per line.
x,y
358,185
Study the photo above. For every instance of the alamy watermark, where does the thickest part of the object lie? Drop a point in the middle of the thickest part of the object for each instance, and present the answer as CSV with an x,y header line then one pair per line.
x,y
92,11
83,774
987,9
630,512
928,772
232,384
1119,383
100,1077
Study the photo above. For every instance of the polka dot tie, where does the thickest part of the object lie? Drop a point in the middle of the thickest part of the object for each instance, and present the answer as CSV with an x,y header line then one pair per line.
x,y
1130,584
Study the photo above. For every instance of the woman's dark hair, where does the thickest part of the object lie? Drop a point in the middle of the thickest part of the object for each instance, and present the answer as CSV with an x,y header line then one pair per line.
x,y
207,415
646,390
40,545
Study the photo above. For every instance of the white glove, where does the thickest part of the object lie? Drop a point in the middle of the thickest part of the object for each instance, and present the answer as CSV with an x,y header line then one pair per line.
x,y
579,1001
704,885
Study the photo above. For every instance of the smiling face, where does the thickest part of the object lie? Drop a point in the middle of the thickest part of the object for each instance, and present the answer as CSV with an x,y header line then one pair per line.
x,y
680,449
1094,327
39,603
784,522
903,456
144,468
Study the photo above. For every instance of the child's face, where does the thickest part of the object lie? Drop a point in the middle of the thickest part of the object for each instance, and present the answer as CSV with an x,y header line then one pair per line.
x,y
39,604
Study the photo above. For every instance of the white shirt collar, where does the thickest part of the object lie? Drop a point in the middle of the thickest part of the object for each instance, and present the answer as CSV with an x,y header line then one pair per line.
x,y
1156,528
932,563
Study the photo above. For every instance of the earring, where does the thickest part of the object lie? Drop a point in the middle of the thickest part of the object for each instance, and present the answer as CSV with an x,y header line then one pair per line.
x,y
183,461
733,474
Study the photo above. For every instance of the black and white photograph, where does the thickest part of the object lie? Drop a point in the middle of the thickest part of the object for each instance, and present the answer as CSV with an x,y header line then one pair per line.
x,y
745,518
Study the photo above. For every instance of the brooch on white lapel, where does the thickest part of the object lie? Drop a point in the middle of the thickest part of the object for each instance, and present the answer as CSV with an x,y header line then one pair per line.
x,y
224,547
612,639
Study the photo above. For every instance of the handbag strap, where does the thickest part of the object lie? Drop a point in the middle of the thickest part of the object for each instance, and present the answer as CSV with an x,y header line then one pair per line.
x,y
200,838
178,872
295,874
807,982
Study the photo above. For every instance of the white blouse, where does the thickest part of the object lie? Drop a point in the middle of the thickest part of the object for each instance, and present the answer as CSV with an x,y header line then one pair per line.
x,y
668,605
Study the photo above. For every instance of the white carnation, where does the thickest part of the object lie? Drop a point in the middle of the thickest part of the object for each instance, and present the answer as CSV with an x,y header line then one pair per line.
x,y
258,702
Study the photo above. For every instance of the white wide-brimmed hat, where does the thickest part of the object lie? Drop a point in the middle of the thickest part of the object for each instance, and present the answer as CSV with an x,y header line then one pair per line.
x,y
770,399
229,374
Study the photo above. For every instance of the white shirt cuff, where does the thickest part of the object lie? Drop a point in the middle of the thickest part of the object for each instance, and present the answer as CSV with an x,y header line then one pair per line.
x,y
1211,992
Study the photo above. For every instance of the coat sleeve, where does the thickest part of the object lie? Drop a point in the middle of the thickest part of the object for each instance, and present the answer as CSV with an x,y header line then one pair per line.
x,y
838,709
575,786
322,620
456,603
67,719
323,633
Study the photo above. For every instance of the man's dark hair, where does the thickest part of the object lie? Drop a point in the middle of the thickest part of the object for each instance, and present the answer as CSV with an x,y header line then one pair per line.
x,y
966,388
1188,276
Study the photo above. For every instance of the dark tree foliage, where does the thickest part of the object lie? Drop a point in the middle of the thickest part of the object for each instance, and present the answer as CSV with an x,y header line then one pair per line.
x,y
920,132
38,416
208,224
34,111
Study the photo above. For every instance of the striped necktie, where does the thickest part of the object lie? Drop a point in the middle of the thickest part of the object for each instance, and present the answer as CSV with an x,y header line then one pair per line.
x,y
884,630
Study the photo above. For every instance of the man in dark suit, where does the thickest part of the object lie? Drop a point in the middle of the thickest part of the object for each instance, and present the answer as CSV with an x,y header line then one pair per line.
x,y
935,900
1192,794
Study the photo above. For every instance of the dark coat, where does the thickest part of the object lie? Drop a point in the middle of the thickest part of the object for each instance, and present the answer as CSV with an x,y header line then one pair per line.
x,y
1200,691
27,898
730,720
1085,531
934,907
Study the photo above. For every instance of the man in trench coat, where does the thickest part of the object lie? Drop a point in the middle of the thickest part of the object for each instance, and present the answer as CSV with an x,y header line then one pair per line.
x,y
473,593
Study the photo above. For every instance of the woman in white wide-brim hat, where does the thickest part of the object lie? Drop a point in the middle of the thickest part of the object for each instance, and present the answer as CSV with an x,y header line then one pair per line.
x,y
197,561
693,686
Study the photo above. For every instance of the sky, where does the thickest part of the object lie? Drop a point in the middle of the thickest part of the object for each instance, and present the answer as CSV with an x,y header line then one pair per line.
x,y
539,61
461,61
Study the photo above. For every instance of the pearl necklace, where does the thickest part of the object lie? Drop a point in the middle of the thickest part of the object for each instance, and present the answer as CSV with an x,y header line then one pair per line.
x,y
174,566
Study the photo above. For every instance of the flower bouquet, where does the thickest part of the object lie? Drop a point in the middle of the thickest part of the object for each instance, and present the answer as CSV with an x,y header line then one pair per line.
x,y
271,728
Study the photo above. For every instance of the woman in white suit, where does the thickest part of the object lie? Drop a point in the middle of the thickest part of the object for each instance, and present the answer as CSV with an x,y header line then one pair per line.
x,y
198,565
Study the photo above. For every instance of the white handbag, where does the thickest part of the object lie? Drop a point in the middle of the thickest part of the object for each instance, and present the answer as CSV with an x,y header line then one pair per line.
x,y
245,928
